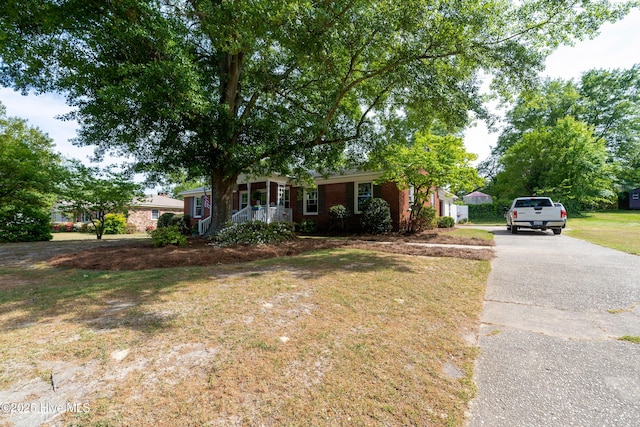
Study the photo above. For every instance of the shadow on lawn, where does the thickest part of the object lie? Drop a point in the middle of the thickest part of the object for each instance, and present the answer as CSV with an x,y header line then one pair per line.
x,y
117,299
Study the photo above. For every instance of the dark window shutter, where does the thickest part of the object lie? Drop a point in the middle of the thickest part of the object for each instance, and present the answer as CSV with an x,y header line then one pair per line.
x,y
299,200
321,199
377,191
350,196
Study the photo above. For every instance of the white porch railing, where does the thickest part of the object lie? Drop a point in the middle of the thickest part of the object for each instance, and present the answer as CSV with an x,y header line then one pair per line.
x,y
264,214
203,225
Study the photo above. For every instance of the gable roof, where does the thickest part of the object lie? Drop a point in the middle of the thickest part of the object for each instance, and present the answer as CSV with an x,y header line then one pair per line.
x,y
159,201
477,194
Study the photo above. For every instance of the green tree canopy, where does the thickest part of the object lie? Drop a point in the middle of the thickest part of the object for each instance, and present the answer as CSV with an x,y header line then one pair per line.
x,y
29,171
565,162
430,162
97,192
222,87
606,100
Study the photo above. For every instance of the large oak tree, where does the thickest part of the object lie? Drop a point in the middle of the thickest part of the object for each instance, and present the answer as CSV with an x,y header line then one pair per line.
x,y
220,87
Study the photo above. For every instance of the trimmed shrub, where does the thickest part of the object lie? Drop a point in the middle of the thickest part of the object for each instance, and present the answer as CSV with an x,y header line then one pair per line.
x,y
115,224
24,224
165,220
376,216
309,226
339,216
254,233
446,222
183,222
167,236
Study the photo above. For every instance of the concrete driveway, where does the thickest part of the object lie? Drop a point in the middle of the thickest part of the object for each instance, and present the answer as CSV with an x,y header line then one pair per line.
x,y
554,309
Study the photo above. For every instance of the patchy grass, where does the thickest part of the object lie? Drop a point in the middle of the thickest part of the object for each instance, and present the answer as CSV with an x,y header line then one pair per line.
x,y
331,337
464,232
614,229
630,338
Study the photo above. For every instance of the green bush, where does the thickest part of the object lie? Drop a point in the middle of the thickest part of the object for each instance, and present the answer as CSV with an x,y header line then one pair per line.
x,y
488,212
114,224
339,216
24,224
376,216
183,222
309,226
446,222
165,220
426,219
253,233
168,236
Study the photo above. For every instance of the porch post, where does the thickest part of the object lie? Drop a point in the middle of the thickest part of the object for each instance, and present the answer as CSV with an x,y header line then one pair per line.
x,y
268,205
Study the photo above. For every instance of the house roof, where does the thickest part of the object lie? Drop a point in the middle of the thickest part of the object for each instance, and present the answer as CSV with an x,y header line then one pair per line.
x,y
477,194
159,201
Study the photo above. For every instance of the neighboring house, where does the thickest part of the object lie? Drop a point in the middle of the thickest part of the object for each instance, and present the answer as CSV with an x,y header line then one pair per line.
x,y
447,205
144,214
477,198
634,199
277,198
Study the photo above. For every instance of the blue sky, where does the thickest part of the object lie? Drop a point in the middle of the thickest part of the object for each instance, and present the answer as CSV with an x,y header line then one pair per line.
x,y
617,46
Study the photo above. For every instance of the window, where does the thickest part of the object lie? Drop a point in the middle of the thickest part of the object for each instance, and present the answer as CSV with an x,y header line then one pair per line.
x,y
412,195
635,196
155,213
259,197
197,207
364,192
284,196
244,200
287,197
311,202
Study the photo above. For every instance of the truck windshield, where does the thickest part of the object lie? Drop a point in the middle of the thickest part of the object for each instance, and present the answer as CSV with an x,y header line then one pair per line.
x,y
533,203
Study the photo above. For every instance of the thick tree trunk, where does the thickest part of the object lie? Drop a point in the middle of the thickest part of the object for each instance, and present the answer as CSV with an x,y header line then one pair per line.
x,y
221,200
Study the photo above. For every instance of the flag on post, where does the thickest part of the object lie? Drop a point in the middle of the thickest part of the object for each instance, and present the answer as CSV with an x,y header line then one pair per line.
x,y
205,200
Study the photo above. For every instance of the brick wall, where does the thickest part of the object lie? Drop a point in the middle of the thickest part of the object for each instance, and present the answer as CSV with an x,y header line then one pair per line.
x,y
141,218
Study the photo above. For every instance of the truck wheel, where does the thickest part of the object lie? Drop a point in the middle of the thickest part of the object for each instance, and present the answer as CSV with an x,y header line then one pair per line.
x,y
514,229
557,230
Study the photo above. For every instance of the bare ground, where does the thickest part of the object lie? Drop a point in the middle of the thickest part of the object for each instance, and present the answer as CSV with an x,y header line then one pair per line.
x,y
141,255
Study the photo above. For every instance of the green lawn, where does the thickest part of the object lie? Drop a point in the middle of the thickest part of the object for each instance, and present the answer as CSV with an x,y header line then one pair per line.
x,y
614,229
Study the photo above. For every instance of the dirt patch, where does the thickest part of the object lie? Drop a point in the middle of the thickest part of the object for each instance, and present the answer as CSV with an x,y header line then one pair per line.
x,y
139,255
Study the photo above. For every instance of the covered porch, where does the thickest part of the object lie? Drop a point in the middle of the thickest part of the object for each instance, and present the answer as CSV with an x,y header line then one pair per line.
x,y
266,199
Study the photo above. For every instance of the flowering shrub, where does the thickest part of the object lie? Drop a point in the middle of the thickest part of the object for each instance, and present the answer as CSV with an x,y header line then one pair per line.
x,y
254,233
168,236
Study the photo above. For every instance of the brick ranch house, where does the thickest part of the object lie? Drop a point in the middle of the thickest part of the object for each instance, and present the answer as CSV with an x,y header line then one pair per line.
x,y
277,198
142,213
145,213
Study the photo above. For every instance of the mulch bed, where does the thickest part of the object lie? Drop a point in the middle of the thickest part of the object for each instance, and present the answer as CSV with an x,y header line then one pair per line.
x,y
199,251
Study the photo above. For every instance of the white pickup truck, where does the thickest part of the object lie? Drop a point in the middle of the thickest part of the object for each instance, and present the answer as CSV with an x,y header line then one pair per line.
x,y
536,213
